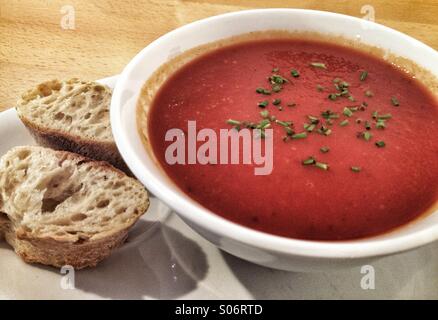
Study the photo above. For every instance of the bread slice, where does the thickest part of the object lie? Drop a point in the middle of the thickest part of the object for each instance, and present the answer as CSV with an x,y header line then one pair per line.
x,y
65,209
71,115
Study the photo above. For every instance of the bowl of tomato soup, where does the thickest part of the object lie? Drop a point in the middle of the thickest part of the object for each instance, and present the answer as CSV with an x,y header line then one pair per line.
x,y
295,139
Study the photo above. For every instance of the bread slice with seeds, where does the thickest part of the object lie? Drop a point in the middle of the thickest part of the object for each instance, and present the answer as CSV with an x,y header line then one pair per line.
x,y
71,115
60,208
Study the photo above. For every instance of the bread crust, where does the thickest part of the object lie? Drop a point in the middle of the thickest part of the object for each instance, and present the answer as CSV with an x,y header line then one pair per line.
x,y
58,140
54,253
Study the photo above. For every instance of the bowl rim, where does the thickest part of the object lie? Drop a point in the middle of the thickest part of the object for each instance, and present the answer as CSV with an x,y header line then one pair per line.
x,y
215,224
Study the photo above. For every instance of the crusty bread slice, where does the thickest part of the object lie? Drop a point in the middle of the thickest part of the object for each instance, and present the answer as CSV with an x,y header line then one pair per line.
x,y
71,115
65,209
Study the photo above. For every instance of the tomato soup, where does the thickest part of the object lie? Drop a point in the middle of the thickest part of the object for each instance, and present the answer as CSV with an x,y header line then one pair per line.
x,y
355,147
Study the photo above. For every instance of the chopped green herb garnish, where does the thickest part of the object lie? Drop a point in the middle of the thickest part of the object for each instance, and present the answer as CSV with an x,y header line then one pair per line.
x,y
333,96
264,113
319,88
318,65
367,125
363,75
309,127
284,123
351,98
275,70
263,91
291,104
265,123
367,135
395,102
324,130
309,161
313,119
276,102
343,123
321,165
233,122
380,144
356,169
347,112
276,88
301,135
380,124
289,131
384,116
263,104
294,73
328,114
324,149
277,79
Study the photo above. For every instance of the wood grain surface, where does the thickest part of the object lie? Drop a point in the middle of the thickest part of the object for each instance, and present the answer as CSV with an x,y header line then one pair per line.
x,y
34,45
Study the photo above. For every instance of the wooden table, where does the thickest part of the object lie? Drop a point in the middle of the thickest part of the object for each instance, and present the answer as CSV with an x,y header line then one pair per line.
x,y
107,34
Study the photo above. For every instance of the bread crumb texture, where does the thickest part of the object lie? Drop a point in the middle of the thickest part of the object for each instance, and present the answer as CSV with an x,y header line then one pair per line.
x,y
60,201
76,107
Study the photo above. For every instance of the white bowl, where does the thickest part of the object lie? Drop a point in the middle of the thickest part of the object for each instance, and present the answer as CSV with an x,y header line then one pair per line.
x,y
258,247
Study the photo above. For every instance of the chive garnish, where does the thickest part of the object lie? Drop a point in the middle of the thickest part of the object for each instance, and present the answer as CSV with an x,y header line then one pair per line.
x,y
343,123
333,96
301,135
324,130
328,114
367,125
265,123
380,144
264,113
263,104
384,116
263,91
277,79
275,70
312,162
309,127
313,119
356,169
309,161
380,124
291,104
320,88
321,165
233,122
318,65
294,73
289,131
367,135
347,112
276,88
351,98
284,123
395,101
324,149
276,102
363,75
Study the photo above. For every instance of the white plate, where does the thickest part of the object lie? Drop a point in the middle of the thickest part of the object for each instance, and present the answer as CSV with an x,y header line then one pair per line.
x,y
166,259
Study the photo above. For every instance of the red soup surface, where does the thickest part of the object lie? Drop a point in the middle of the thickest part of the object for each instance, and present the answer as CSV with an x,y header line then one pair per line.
x,y
378,167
